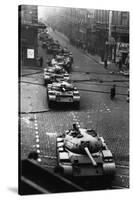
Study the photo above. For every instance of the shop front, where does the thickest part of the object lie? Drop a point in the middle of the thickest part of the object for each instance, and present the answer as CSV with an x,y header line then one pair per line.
x,y
122,51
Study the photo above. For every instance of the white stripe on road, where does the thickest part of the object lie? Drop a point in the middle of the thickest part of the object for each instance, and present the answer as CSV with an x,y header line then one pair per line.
x,y
38,151
39,159
50,134
37,140
36,127
37,146
35,123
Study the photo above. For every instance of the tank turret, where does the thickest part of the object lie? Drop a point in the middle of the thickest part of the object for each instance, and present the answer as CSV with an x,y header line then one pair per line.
x,y
83,141
83,149
77,139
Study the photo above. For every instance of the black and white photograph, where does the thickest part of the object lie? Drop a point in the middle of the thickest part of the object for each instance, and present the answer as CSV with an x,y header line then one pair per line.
x,y
74,98
66,99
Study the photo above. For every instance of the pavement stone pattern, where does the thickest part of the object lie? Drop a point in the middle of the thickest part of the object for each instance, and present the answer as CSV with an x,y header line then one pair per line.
x,y
52,124
26,138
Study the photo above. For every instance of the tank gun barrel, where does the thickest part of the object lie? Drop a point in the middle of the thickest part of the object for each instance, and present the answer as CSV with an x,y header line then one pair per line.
x,y
90,156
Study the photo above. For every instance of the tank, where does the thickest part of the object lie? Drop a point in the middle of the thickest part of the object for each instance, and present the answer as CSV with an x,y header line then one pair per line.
x,y
53,73
82,152
64,61
63,92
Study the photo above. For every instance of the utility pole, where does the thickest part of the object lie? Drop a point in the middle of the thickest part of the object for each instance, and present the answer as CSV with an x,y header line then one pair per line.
x,y
110,23
109,35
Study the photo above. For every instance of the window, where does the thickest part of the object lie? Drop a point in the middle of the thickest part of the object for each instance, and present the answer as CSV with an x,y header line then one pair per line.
x,y
124,18
30,53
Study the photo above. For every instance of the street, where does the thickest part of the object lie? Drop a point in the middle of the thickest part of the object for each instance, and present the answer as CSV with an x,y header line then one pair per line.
x,y
40,125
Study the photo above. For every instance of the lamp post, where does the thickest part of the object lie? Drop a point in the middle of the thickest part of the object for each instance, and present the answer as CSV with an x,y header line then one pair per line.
x,y
109,34
110,23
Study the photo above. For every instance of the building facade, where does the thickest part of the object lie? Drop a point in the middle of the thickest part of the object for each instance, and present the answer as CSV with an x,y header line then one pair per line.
x,y
98,31
28,34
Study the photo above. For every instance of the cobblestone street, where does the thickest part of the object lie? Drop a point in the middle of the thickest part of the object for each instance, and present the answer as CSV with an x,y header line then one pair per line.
x,y
109,118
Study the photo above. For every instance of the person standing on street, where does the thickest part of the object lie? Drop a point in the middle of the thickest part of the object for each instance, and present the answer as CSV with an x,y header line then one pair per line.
x,y
41,61
127,95
127,62
53,60
113,92
120,63
105,63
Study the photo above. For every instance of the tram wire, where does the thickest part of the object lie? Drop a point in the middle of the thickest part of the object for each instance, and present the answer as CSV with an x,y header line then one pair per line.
x,y
29,74
85,83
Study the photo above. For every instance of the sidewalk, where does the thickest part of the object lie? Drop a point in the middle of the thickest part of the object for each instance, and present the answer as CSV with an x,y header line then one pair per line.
x,y
112,67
